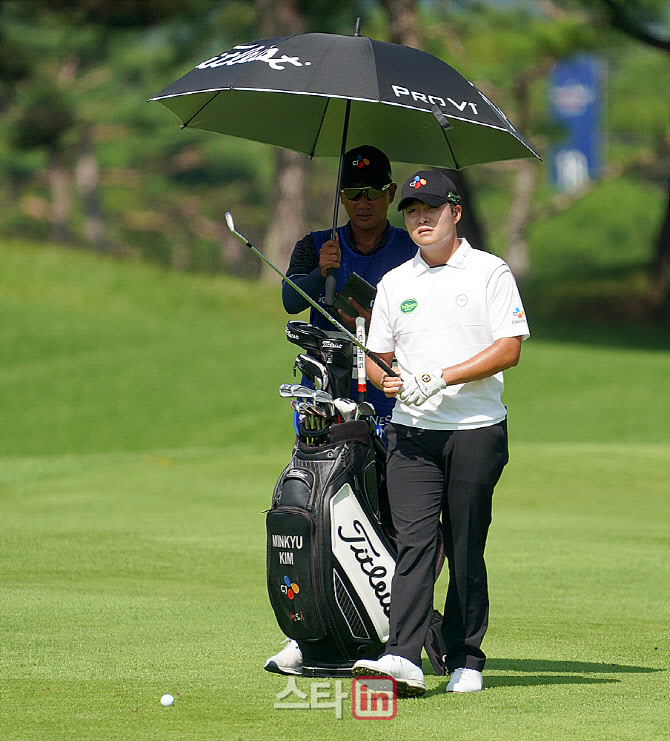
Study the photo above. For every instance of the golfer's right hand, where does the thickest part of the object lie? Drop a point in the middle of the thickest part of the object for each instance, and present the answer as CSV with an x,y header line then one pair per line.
x,y
329,256
391,385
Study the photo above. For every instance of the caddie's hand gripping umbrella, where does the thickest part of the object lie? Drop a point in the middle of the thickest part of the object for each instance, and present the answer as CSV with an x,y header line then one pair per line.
x,y
321,93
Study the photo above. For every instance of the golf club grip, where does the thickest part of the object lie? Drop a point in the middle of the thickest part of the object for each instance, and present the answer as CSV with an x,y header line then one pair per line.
x,y
386,368
331,285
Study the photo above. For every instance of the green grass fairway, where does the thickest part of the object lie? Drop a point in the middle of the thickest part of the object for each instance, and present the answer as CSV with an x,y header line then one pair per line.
x,y
141,435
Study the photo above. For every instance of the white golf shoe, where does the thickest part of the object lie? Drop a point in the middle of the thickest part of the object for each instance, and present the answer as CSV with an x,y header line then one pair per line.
x,y
287,661
466,680
408,676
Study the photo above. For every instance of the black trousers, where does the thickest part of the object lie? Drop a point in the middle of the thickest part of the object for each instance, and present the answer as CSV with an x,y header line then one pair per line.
x,y
442,478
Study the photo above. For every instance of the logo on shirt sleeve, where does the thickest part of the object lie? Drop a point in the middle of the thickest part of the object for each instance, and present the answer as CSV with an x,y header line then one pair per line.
x,y
519,316
408,305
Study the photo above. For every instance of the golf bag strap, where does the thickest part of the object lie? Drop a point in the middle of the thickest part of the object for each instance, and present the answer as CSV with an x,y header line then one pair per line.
x,y
434,644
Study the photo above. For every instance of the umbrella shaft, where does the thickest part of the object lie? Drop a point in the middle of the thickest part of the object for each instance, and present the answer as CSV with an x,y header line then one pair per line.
x,y
331,275
343,149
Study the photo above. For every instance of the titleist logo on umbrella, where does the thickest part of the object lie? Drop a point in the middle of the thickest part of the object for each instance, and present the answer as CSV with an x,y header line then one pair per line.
x,y
252,53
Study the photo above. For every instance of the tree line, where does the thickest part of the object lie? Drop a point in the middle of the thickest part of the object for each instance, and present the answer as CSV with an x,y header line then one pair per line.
x,y
85,161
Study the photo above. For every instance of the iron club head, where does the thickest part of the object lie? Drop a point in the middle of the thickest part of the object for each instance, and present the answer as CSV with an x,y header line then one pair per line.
x,y
231,226
365,409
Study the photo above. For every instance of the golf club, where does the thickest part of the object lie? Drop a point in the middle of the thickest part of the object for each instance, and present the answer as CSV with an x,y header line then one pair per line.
x,y
307,419
325,401
322,397
375,358
360,359
313,369
295,390
365,409
347,409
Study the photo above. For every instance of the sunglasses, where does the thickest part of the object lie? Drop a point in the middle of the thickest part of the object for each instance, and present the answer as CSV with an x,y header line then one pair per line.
x,y
371,194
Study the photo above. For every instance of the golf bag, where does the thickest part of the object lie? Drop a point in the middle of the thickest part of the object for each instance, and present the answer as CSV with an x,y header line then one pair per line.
x,y
329,562
330,548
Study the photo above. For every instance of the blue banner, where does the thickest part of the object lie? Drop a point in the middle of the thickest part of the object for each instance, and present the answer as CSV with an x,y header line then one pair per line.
x,y
575,96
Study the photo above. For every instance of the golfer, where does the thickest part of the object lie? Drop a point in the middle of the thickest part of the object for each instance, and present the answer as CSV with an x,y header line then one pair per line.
x,y
453,318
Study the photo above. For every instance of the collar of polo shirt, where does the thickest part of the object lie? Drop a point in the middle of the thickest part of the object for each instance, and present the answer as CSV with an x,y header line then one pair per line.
x,y
458,260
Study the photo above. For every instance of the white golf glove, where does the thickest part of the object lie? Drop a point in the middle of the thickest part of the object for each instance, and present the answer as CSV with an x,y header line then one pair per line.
x,y
422,386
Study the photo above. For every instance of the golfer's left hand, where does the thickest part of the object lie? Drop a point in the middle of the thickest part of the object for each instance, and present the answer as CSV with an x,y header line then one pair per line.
x,y
416,389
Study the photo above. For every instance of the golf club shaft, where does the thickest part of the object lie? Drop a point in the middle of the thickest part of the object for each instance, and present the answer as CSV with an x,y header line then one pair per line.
x,y
375,358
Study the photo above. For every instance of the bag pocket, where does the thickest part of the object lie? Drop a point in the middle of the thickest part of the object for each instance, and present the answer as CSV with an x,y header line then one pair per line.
x,y
292,573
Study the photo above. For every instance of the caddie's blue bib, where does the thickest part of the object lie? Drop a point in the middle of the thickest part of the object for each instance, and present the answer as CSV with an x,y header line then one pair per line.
x,y
372,267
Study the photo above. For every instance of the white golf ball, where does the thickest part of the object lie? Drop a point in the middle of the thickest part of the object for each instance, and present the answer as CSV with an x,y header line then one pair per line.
x,y
167,700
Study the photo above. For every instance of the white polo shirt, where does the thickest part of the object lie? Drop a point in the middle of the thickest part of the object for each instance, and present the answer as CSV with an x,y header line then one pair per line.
x,y
436,317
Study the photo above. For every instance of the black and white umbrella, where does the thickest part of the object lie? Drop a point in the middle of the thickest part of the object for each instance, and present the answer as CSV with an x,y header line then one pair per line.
x,y
293,92
321,94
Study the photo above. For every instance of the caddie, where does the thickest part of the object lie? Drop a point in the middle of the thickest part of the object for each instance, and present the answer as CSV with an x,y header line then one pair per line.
x,y
453,318
367,245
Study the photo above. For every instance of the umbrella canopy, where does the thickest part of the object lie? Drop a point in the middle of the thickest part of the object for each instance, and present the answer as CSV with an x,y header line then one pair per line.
x,y
302,92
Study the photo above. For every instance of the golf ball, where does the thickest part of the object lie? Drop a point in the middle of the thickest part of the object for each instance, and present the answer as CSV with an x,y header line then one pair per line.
x,y
167,700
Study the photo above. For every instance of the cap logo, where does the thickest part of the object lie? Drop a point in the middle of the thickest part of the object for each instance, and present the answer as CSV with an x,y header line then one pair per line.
x,y
360,161
417,182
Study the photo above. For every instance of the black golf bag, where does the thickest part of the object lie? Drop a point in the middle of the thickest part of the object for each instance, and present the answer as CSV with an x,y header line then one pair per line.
x,y
329,562
330,548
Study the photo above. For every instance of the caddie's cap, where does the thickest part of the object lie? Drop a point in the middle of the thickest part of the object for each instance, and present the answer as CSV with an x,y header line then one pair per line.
x,y
430,186
367,165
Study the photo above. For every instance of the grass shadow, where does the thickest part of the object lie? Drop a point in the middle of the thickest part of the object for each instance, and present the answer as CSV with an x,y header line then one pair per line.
x,y
537,672
539,680
540,666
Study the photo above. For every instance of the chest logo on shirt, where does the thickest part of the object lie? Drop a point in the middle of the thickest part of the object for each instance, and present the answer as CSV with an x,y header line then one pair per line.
x,y
461,300
408,305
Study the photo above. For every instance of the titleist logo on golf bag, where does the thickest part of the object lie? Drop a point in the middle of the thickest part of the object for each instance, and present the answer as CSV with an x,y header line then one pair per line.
x,y
377,574
332,345
292,335
244,53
